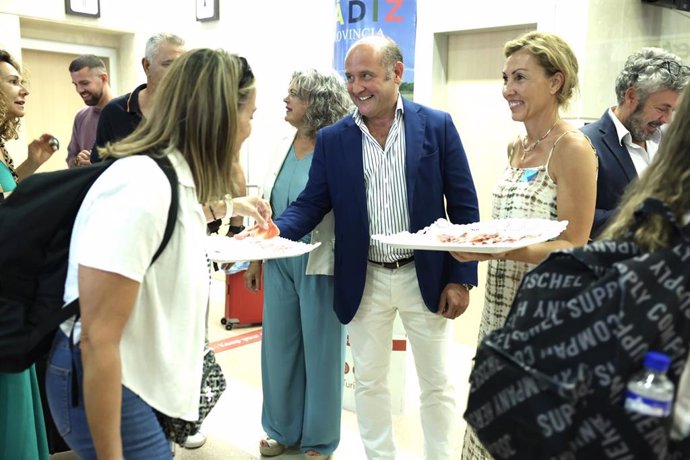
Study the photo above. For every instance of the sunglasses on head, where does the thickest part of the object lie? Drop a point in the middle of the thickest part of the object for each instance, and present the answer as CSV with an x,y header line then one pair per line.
x,y
672,67
247,74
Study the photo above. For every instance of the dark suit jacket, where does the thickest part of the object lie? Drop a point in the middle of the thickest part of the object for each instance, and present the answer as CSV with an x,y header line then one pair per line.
x,y
616,169
435,167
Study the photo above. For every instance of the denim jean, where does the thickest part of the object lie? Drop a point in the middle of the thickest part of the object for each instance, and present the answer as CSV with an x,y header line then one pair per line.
x,y
142,435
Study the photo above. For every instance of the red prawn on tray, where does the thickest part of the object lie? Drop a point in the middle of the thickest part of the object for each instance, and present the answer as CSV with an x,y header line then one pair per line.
x,y
482,238
255,243
271,231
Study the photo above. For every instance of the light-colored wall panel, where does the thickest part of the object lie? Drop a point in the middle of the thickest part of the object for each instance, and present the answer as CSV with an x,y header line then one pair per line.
x,y
616,29
474,91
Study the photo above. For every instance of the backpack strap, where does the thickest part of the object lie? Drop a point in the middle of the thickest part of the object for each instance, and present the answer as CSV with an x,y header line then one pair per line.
x,y
169,171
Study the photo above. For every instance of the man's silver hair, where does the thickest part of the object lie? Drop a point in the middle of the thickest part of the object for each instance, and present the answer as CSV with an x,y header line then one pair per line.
x,y
650,70
154,43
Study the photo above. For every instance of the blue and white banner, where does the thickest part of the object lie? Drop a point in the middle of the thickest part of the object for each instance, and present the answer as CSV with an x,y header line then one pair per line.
x,y
396,19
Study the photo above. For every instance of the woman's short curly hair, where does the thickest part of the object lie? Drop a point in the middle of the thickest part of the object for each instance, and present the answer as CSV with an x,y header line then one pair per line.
x,y
554,55
326,97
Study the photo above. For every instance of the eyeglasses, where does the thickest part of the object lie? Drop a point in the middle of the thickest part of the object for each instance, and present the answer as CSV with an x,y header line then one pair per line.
x,y
247,75
673,68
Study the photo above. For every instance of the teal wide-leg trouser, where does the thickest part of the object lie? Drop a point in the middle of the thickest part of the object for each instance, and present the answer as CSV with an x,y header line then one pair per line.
x,y
302,357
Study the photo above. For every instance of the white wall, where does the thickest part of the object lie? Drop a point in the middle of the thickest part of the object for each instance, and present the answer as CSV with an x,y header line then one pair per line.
x,y
277,37
566,17
616,29
602,33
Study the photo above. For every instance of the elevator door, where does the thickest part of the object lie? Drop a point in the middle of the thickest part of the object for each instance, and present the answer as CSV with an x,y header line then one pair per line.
x,y
481,115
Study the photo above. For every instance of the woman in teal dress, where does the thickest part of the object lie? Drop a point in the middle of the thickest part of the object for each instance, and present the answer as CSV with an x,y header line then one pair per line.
x,y
302,346
22,429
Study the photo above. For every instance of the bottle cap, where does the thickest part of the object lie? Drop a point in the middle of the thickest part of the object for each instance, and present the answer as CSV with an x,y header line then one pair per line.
x,y
656,361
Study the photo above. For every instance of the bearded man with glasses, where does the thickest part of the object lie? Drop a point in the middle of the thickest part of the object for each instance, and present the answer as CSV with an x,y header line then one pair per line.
x,y
627,135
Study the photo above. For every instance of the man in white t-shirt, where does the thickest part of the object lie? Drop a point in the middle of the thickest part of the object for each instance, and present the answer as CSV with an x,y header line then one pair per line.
x,y
627,135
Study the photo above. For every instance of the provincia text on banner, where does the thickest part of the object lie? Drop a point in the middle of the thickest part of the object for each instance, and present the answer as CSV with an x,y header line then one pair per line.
x,y
397,19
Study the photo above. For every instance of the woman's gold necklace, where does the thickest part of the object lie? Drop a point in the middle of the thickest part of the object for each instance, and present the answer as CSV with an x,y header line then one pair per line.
x,y
528,148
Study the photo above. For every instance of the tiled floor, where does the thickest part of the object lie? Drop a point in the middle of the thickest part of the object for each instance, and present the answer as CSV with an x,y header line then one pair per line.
x,y
234,428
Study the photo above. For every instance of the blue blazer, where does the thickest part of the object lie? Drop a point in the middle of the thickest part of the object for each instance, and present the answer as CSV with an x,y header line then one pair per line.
x,y
616,169
435,168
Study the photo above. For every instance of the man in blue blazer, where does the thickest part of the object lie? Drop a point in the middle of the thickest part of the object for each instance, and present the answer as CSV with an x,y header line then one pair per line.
x,y
627,136
392,166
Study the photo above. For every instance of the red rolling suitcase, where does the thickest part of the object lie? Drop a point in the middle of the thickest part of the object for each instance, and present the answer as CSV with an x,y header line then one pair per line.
x,y
242,307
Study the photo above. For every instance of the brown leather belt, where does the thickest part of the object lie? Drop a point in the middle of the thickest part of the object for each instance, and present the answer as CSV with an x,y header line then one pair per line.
x,y
393,265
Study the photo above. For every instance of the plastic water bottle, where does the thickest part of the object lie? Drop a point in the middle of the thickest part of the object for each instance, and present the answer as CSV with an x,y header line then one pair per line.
x,y
650,392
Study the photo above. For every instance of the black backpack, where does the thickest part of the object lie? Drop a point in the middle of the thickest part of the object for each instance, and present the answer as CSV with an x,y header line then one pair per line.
x,y
551,383
36,223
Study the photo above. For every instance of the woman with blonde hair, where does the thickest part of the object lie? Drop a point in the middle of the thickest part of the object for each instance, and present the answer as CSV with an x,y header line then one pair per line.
x,y
139,343
551,173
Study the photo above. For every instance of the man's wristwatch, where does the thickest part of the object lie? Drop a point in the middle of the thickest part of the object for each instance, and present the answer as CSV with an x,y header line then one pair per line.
x,y
467,286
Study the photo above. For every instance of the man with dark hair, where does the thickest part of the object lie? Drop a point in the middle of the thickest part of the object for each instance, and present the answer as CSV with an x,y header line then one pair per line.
x,y
90,79
627,135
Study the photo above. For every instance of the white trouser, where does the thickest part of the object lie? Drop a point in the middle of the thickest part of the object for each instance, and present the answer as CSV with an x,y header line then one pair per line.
x,y
371,331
